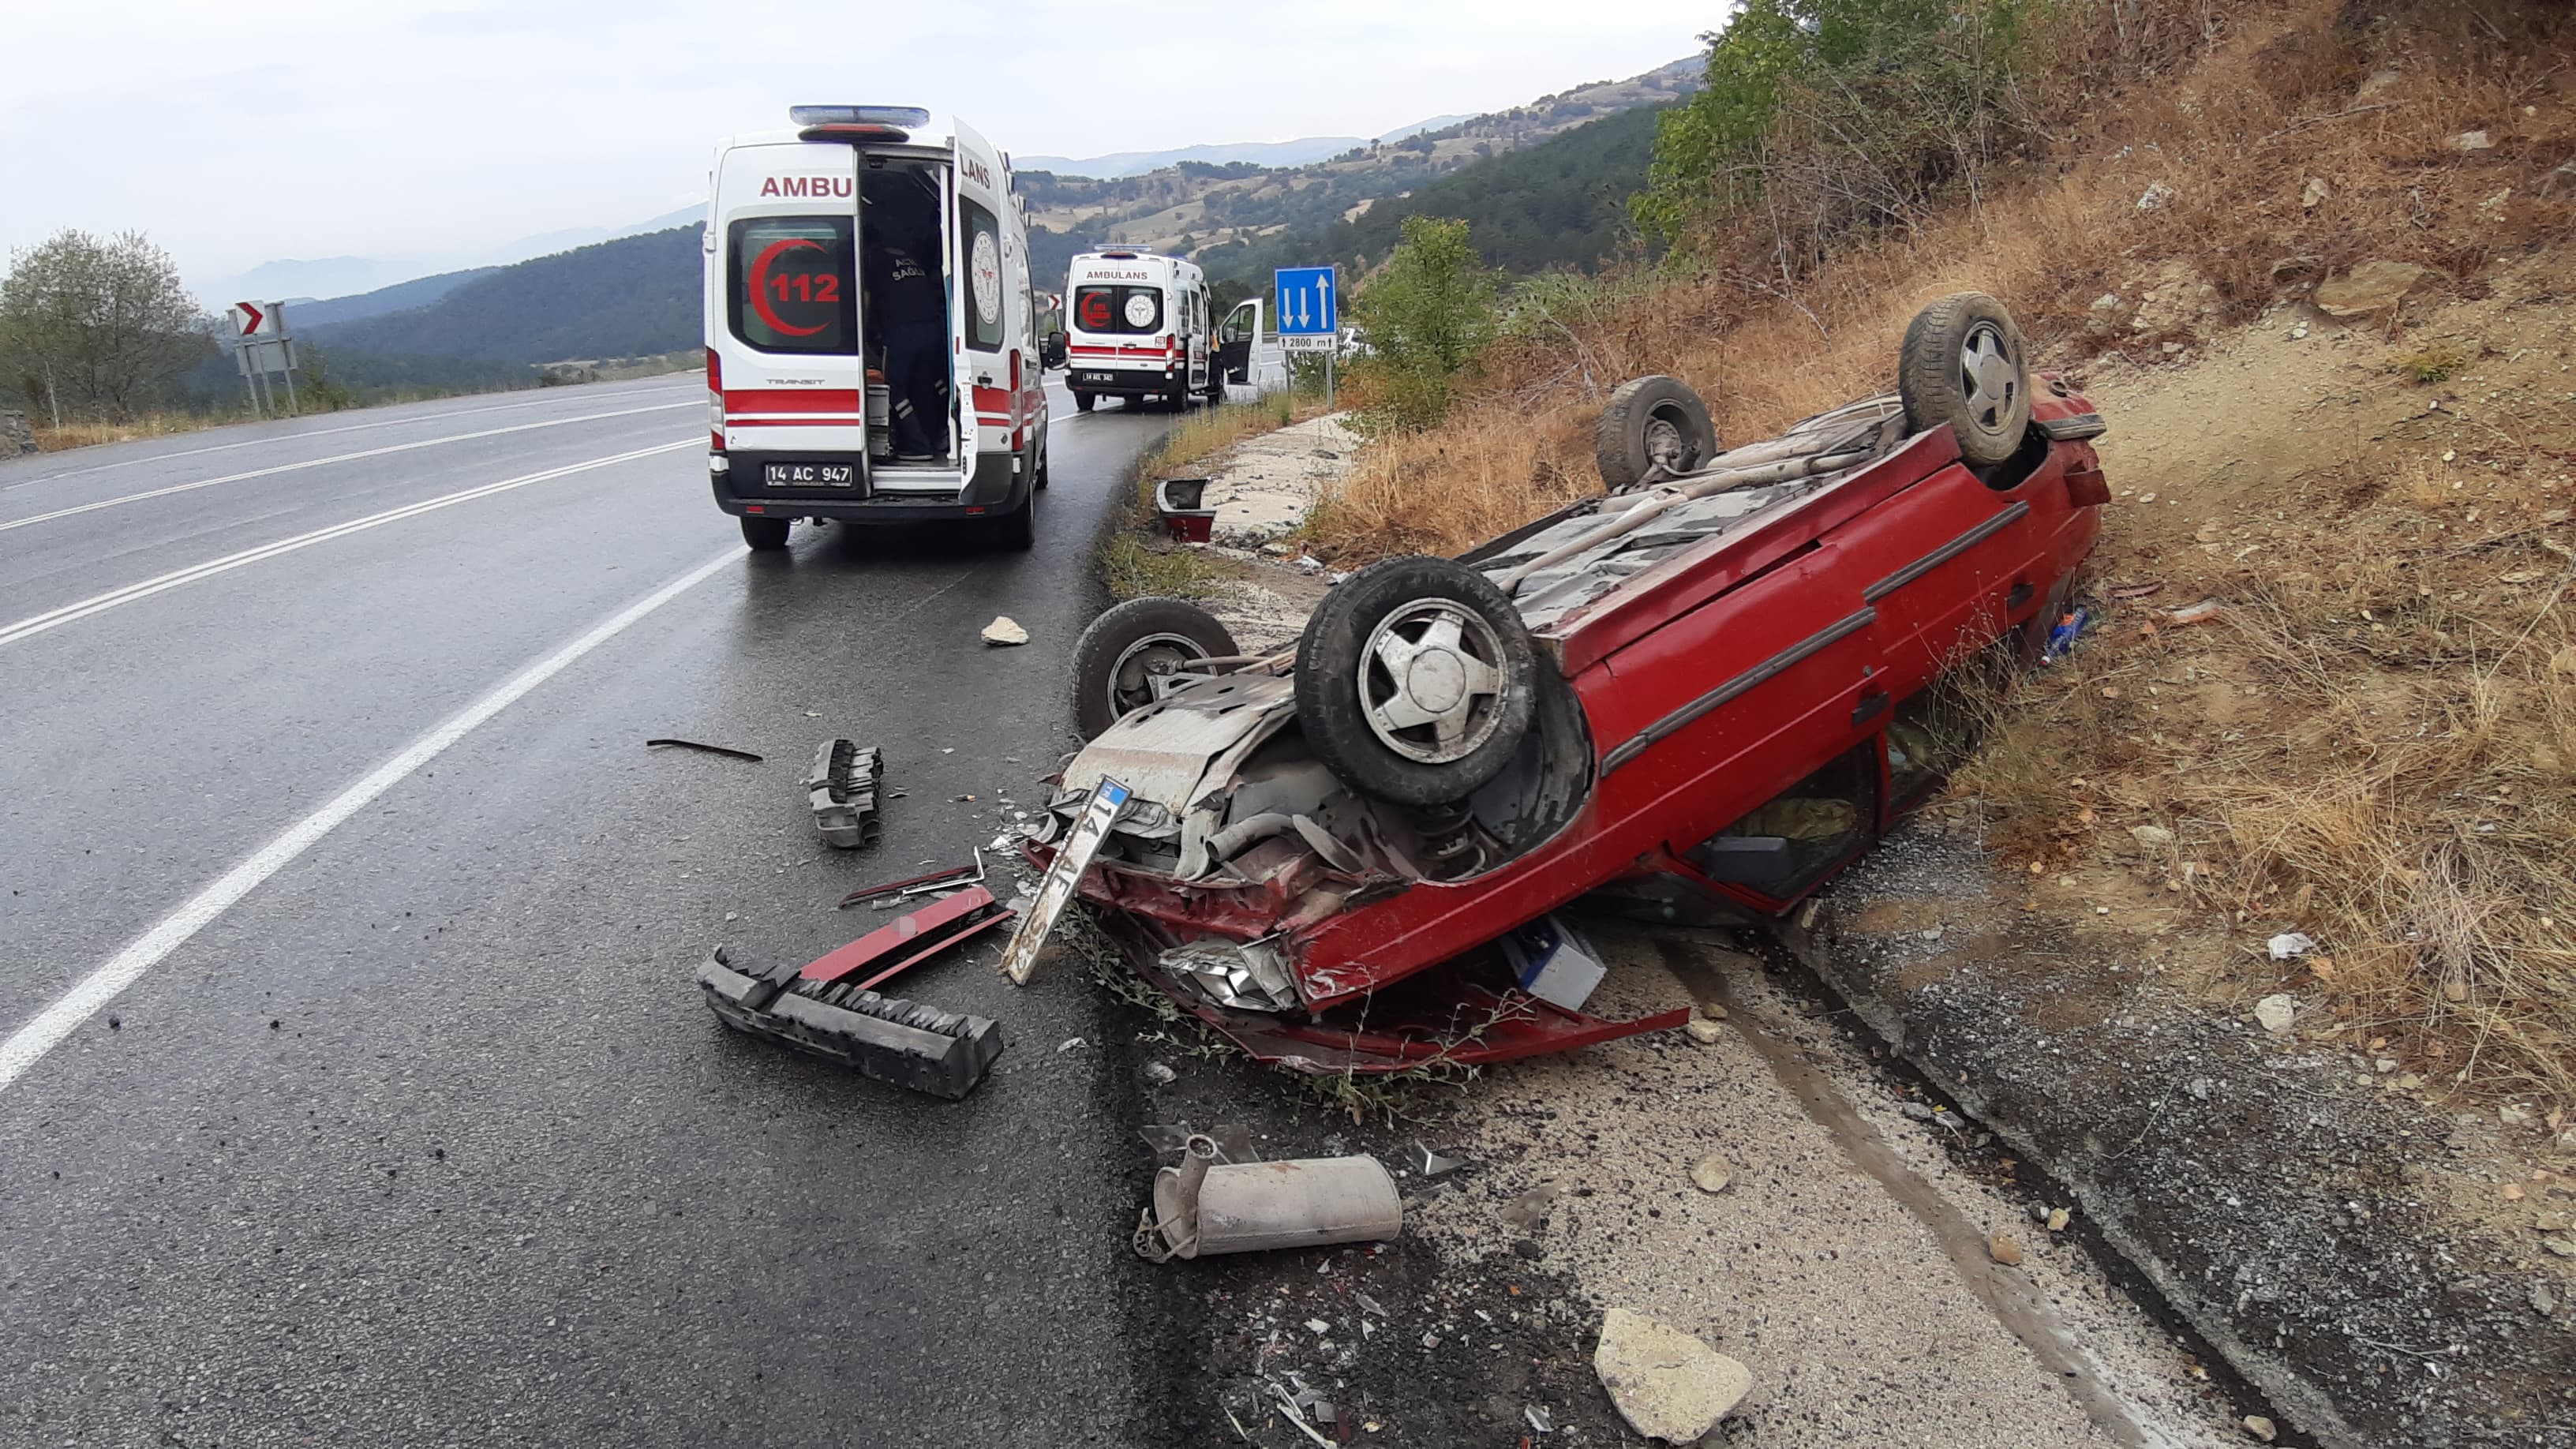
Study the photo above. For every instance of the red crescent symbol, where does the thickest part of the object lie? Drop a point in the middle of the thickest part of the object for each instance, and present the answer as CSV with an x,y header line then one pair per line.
x,y
760,286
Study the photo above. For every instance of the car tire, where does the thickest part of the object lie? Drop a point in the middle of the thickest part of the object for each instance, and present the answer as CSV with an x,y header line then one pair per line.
x,y
1653,427
1044,474
764,535
1961,368
1083,401
1115,659
1416,741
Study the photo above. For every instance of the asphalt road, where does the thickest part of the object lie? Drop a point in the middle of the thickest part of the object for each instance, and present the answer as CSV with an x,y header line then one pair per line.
x,y
410,1127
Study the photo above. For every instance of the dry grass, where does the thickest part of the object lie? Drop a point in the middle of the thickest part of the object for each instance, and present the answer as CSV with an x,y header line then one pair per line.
x,y
2376,744
1203,434
151,425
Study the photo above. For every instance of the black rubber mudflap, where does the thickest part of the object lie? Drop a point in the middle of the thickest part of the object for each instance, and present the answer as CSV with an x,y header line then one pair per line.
x,y
944,1053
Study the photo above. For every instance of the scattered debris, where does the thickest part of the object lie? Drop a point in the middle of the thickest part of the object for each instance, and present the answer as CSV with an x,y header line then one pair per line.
x,y
1703,1030
842,790
2290,945
1004,630
1204,1207
1550,960
962,875
1432,1164
2156,197
2472,141
1020,960
1071,1043
2058,1218
2200,613
2315,191
727,751
2070,626
2003,1249
2127,592
1665,1383
1160,1075
1178,507
1527,1211
1538,1419
2261,1428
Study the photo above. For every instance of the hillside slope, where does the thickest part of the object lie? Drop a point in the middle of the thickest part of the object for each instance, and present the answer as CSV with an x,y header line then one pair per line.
x,y
626,298
1195,206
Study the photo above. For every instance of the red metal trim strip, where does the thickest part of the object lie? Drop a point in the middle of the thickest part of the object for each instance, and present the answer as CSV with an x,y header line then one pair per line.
x,y
939,915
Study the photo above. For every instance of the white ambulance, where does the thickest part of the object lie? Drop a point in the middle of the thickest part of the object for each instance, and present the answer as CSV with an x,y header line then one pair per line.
x,y
872,353
1136,326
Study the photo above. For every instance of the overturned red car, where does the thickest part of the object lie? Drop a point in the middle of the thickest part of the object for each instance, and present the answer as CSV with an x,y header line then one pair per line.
x,y
1719,682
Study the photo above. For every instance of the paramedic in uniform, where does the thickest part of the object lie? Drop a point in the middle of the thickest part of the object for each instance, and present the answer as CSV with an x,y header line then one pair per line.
x,y
905,300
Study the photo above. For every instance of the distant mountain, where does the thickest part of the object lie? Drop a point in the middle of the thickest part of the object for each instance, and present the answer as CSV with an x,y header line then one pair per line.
x,y
1436,123
320,277
1560,203
1227,213
401,296
1136,163
631,297
346,278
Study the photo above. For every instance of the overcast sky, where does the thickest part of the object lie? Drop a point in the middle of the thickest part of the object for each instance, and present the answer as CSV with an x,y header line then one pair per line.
x,y
239,131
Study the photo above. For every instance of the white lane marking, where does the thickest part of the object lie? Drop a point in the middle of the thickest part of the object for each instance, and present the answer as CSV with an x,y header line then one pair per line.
x,y
339,458
29,1043
99,603
416,419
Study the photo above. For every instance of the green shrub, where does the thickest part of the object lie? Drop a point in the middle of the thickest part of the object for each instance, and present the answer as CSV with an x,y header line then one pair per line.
x,y
1426,318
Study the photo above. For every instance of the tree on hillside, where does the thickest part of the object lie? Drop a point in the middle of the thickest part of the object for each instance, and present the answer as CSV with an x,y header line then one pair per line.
x,y
97,327
1427,317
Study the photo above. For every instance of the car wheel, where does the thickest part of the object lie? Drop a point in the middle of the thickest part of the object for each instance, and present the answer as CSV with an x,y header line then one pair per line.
x,y
1043,476
1416,680
1118,657
1083,401
1653,427
1961,368
765,535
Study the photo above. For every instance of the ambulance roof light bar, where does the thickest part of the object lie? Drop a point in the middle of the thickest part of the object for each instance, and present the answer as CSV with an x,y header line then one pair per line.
x,y
897,118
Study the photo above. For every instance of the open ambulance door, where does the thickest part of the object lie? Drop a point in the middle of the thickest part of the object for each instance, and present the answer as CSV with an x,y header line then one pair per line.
x,y
988,360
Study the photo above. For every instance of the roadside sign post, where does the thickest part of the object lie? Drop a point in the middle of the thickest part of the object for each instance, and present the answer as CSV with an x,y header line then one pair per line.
x,y
1310,315
262,347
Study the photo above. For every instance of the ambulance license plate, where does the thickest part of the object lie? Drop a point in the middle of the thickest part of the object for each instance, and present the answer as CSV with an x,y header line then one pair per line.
x,y
810,475
1100,377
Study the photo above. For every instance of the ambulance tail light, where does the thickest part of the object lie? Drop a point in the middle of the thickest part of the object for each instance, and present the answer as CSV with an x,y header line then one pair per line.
x,y
715,401
1015,369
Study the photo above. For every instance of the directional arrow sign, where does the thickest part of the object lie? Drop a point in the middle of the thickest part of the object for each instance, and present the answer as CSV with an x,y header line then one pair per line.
x,y
1307,304
255,319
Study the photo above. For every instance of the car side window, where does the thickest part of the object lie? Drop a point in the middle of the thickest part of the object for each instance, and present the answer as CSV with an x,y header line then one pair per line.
x,y
1796,838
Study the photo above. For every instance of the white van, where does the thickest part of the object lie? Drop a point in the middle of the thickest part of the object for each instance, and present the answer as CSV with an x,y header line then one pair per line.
x,y
871,327
1136,327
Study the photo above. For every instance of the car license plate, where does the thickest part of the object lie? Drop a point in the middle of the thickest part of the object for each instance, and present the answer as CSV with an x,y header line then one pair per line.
x,y
810,475
1100,377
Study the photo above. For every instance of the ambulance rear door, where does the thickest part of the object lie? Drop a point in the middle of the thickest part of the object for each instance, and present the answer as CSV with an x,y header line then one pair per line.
x,y
987,357
794,384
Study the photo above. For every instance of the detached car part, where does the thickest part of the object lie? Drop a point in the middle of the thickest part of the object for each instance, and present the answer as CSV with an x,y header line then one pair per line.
x,y
1205,1207
829,1007
842,789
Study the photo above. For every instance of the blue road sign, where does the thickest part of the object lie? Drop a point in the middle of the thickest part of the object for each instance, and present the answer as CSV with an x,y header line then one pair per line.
x,y
1309,306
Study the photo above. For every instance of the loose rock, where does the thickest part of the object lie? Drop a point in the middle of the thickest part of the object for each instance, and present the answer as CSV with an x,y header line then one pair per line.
x,y
1702,1030
2371,287
2003,1250
2276,1012
1712,1174
1666,1384
2261,1428
1005,630
2058,1219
